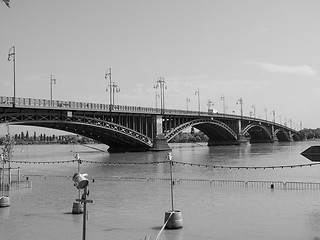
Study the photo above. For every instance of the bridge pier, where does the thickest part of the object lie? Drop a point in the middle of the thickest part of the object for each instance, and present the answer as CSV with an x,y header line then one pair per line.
x,y
160,143
274,138
241,139
221,143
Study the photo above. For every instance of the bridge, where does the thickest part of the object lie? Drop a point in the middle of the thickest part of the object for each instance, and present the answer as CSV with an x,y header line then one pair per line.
x,y
133,128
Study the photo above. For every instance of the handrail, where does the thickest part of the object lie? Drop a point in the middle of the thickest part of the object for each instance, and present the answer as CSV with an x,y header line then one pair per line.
x,y
72,105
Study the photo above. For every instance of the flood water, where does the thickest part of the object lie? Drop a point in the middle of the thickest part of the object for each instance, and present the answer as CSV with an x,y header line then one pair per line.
x,y
130,201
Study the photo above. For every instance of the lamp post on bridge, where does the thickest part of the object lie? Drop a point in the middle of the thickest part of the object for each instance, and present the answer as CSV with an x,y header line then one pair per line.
x,y
12,56
224,104
254,111
187,101
197,92
240,101
112,86
115,89
162,85
157,96
266,111
273,112
108,77
52,81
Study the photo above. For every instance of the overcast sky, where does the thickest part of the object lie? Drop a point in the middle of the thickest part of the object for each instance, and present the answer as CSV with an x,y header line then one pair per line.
x,y
266,52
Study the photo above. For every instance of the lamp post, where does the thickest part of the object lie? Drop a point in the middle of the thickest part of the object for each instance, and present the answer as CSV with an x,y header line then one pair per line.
x,y
197,92
115,88
187,101
52,81
12,56
273,112
266,111
157,96
254,111
108,77
224,104
240,101
162,85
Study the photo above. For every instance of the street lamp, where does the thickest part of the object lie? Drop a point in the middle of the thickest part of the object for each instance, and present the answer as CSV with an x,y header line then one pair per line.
x,y
157,96
254,111
240,101
12,56
115,88
273,112
197,92
112,86
162,85
108,77
52,81
187,101
266,111
224,104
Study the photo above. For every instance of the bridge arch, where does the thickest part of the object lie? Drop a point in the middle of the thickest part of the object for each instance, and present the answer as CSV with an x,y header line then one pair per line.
x,y
283,136
117,137
257,133
217,132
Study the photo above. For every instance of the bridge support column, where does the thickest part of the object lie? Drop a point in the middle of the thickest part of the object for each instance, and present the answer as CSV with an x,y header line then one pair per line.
x,y
241,138
274,136
160,143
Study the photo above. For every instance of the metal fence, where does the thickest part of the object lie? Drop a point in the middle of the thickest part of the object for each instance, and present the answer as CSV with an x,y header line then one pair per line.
x,y
205,182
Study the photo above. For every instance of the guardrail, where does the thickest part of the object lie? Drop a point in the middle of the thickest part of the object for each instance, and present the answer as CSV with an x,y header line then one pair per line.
x,y
57,104
71,105
205,182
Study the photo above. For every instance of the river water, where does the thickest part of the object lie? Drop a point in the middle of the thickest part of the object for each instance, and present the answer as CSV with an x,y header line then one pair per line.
x,y
129,201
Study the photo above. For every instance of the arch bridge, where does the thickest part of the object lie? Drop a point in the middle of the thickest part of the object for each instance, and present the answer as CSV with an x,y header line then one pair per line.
x,y
133,128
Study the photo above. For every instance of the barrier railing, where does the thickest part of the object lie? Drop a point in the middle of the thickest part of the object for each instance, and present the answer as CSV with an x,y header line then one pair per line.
x,y
71,105
16,185
207,182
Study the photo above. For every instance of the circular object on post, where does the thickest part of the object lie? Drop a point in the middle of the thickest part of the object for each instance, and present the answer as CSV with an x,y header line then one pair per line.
x,y
77,208
4,201
80,181
175,220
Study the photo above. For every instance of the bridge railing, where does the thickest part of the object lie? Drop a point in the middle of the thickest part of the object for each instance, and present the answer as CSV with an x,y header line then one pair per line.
x,y
71,105
44,103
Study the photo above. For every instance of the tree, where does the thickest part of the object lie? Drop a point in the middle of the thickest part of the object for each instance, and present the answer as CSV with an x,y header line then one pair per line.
x,y
7,147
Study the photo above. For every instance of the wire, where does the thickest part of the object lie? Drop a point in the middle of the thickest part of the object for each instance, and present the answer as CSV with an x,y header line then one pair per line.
x,y
174,162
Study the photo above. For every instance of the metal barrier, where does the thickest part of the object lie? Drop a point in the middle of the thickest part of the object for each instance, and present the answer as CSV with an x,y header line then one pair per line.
x,y
16,185
207,182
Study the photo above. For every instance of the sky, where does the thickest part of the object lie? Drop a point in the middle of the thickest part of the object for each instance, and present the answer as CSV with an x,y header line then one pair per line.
x,y
266,52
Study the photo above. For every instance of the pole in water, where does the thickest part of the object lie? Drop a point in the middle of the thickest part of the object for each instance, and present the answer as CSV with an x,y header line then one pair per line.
x,y
173,218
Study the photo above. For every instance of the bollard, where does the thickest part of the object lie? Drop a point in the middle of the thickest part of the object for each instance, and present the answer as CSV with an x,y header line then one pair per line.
x,y
175,221
77,208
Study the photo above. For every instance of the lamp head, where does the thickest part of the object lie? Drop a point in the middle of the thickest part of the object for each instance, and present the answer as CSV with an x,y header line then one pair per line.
x,y
80,180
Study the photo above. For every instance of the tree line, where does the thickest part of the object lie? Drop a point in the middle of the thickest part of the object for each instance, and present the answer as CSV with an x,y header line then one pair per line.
x,y
183,137
26,138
